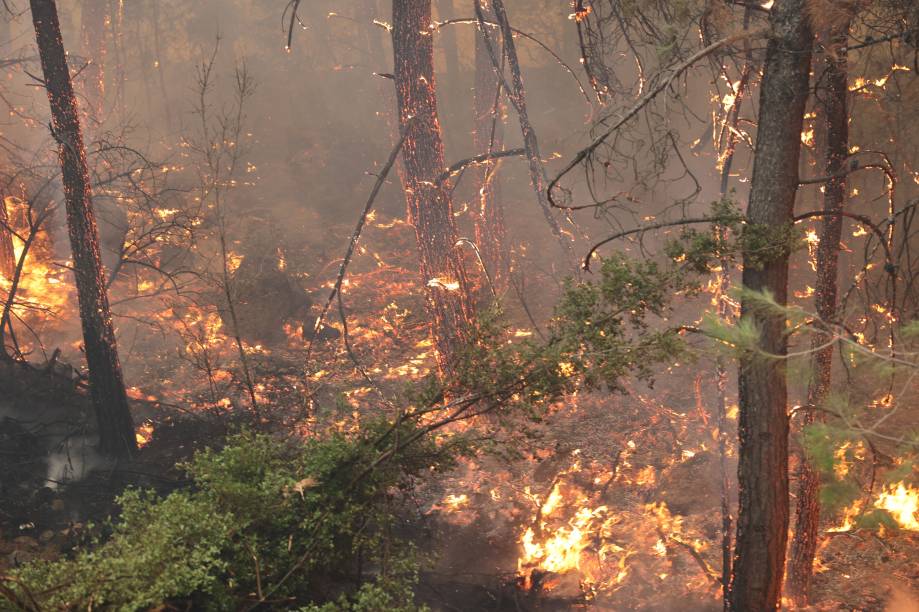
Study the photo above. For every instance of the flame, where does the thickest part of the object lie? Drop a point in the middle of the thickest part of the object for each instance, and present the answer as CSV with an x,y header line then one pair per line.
x,y
581,14
234,260
807,137
813,241
902,502
848,519
144,433
42,292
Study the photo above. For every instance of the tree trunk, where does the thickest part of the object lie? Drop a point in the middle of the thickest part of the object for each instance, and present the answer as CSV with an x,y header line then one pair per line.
x,y
116,431
116,9
159,61
517,95
93,27
448,39
7,254
430,209
836,126
488,136
762,522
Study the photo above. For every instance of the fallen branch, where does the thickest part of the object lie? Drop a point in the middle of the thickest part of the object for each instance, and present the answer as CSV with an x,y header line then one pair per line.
x,y
381,178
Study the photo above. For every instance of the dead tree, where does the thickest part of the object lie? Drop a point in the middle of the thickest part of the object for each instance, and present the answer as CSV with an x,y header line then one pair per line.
x,y
116,431
762,522
430,208
835,117
488,137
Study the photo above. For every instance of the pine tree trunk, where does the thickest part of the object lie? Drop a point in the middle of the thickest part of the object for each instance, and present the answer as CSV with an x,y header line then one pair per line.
x,y
430,209
7,254
93,27
448,40
836,126
160,60
517,95
116,431
762,522
488,136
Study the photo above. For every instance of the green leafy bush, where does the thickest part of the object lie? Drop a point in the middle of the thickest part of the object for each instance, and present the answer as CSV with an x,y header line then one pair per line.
x,y
267,520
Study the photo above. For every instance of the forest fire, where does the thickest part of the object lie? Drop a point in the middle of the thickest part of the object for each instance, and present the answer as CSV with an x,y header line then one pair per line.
x,y
43,291
415,305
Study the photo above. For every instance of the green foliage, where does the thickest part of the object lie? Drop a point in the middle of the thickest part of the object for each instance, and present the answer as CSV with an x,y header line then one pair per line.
x,y
160,549
762,244
393,596
603,327
737,337
820,443
600,333
702,251
286,518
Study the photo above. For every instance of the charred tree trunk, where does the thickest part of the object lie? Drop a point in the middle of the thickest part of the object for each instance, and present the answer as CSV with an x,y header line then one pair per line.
x,y
93,27
430,209
116,431
7,254
836,127
488,136
762,522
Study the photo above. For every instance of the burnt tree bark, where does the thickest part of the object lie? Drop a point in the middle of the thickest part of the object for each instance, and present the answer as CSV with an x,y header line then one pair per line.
x,y
7,254
488,137
762,522
835,118
116,431
93,26
430,209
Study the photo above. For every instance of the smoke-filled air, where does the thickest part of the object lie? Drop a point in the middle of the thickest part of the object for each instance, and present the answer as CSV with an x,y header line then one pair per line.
x,y
459,305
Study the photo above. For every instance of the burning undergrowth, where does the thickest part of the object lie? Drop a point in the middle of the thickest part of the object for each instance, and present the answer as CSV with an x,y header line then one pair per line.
x,y
588,508
604,500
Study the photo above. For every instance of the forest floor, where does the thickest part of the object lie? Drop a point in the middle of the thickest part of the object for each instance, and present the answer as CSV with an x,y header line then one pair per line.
x,y
636,473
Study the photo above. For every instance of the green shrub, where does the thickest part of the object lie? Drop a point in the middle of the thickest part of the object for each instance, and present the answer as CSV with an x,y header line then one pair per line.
x,y
279,521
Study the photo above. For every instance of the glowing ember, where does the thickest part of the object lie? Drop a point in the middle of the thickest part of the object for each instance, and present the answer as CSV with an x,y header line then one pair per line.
x,y
447,285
